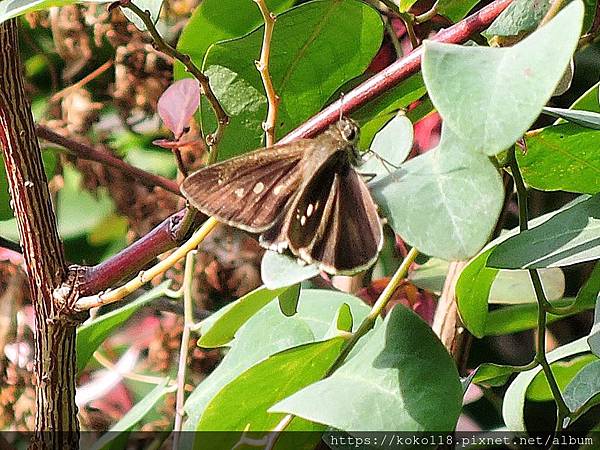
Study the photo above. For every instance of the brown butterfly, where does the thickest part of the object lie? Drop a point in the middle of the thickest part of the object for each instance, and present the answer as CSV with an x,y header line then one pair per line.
x,y
304,196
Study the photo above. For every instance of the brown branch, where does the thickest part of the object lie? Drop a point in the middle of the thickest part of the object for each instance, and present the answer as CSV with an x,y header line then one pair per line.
x,y
154,244
55,367
84,151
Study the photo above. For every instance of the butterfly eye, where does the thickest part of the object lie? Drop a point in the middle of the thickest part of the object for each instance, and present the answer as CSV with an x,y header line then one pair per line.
x,y
350,133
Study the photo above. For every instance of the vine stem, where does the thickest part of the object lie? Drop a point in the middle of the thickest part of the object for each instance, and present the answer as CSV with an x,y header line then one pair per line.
x,y
188,316
369,321
111,296
262,65
222,118
365,326
543,303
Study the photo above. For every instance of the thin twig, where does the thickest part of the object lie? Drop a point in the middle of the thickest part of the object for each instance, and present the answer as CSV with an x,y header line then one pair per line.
x,y
85,80
427,15
369,321
540,353
393,37
87,152
222,119
111,296
555,7
263,67
188,316
107,364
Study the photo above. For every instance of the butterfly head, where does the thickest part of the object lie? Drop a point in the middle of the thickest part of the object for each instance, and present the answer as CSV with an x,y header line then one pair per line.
x,y
350,133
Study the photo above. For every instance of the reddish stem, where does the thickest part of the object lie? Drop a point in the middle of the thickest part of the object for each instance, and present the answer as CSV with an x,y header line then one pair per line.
x,y
133,258
395,73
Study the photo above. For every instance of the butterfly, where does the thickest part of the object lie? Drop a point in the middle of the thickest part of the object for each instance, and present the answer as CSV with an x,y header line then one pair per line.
x,y
304,197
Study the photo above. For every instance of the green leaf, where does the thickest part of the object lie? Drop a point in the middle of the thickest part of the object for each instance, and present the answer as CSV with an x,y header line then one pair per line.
x,y
219,328
288,300
248,397
401,367
569,237
476,280
79,211
515,286
586,119
490,374
390,147
507,86
91,334
520,17
133,416
279,270
342,321
455,10
268,332
516,318
315,48
472,292
218,20
10,9
514,399
425,200
431,275
564,372
405,5
584,386
593,338
375,114
562,157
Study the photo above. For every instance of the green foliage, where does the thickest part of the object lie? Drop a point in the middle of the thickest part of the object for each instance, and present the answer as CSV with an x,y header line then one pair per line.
x,y
402,367
269,332
507,86
219,20
570,237
514,399
219,328
424,200
316,47
281,270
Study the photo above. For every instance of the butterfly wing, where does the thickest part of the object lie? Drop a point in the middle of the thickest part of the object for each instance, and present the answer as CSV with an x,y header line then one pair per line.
x,y
249,191
334,222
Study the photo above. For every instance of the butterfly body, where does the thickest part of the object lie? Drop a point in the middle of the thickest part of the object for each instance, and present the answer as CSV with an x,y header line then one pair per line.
x,y
304,196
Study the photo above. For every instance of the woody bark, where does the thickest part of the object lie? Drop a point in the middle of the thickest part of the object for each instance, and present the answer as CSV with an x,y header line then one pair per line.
x,y
56,413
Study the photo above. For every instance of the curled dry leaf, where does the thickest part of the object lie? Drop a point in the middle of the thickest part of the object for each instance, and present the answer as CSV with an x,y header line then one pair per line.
x,y
178,104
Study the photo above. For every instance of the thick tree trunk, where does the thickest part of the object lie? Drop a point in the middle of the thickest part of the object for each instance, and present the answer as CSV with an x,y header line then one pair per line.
x,y
56,416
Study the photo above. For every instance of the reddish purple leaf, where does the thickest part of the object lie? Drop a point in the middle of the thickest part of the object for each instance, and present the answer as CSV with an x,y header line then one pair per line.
x,y
178,104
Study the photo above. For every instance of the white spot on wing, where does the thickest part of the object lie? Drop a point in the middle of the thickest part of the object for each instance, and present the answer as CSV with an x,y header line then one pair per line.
x,y
258,188
309,210
239,192
278,189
